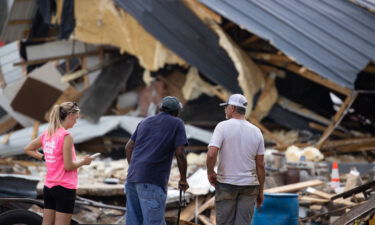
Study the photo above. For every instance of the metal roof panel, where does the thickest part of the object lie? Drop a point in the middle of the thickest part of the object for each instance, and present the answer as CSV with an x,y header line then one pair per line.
x,y
334,38
178,28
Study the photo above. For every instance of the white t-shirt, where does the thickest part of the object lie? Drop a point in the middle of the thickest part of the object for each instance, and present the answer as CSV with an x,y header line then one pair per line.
x,y
239,142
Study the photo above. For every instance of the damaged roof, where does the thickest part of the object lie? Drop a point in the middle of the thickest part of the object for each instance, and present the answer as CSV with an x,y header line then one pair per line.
x,y
334,38
19,18
178,28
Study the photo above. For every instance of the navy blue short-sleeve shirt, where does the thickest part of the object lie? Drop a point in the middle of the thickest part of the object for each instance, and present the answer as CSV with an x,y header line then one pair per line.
x,y
156,139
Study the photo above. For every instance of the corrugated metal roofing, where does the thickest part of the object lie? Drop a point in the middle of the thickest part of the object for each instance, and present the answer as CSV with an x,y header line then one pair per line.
x,y
334,38
19,20
178,28
10,54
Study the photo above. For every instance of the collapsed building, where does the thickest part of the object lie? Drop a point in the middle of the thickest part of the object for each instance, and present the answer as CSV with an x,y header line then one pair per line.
x,y
307,69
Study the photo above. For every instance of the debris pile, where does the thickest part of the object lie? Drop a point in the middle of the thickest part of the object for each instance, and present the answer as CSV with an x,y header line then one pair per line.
x,y
307,70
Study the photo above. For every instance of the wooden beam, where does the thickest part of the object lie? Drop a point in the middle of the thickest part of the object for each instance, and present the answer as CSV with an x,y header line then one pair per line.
x,y
265,101
338,143
207,205
306,73
19,22
301,110
85,71
213,215
7,123
229,25
323,128
328,196
370,68
312,200
359,147
187,213
250,40
205,220
337,118
39,61
269,57
294,187
271,69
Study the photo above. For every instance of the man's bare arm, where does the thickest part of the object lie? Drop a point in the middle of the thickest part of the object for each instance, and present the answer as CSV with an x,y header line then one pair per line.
x,y
261,173
129,150
211,161
182,166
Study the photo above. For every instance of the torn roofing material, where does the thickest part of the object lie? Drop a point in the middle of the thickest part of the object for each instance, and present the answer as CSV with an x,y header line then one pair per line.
x,y
334,38
177,27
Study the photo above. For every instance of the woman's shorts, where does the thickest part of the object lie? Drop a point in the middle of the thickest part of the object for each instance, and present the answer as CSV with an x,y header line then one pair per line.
x,y
59,199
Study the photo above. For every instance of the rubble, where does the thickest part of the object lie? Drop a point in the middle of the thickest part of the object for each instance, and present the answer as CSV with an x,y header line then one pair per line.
x,y
308,73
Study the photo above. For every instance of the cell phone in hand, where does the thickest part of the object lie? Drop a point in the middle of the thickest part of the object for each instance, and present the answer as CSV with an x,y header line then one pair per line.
x,y
95,155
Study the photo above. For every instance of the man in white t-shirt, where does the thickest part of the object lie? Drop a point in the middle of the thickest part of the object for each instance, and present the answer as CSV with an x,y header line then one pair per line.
x,y
239,181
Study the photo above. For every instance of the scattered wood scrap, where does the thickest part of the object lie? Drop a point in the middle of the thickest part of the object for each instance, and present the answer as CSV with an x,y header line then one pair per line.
x,y
294,187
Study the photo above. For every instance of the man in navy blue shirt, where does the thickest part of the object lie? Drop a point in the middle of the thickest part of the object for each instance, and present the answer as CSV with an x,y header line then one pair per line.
x,y
149,153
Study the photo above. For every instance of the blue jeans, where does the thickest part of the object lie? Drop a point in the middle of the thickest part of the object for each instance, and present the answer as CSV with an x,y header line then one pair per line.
x,y
145,204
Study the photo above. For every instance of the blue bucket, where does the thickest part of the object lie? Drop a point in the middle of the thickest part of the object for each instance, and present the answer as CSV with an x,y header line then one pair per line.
x,y
277,209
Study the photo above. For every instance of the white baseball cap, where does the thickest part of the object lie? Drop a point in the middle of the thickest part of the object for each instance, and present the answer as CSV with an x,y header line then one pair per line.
x,y
236,100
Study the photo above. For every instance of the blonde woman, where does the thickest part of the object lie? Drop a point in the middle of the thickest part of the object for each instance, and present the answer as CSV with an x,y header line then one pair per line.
x,y
60,158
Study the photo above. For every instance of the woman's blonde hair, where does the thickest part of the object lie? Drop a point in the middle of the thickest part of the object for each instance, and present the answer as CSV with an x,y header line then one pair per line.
x,y
59,114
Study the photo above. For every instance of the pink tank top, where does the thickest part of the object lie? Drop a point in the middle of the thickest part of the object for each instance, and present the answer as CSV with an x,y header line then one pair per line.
x,y
53,154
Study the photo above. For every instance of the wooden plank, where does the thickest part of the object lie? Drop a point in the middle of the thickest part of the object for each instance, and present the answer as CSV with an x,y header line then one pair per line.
x,y
337,118
188,212
356,212
367,146
329,196
301,110
19,22
7,123
267,98
323,128
249,41
207,205
85,71
213,215
270,57
6,137
312,200
205,220
294,187
271,69
39,61
338,143
313,77
229,25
